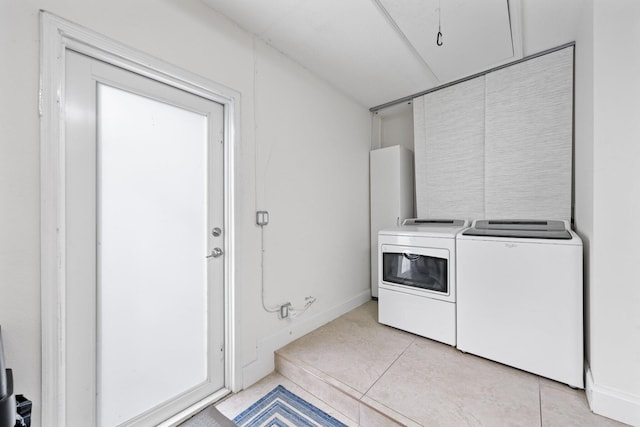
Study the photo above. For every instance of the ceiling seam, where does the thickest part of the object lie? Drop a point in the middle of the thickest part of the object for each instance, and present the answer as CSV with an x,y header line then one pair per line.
x,y
404,38
514,11
513,47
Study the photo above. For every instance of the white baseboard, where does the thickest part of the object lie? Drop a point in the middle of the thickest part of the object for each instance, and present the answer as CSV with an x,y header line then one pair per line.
x,y
611,403
265,364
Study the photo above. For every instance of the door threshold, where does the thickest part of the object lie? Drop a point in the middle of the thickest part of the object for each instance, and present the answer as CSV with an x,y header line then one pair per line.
x,y
195,408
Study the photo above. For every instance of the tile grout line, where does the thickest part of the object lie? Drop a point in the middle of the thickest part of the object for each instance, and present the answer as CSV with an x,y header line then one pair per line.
x,y
389,367
540,400
382,375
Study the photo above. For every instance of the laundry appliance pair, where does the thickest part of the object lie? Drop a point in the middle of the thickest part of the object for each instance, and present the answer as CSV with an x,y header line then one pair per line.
x,y
506,290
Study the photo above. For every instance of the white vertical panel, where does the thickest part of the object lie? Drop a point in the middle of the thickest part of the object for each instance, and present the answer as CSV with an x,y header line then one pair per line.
x,y
450,152
420,155
455,151
152,243
391,184
528,145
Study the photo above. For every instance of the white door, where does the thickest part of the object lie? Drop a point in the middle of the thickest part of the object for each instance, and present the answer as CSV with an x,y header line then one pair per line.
x,y
144,191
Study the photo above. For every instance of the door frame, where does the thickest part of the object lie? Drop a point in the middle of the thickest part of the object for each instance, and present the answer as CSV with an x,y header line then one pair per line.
x,y
58,35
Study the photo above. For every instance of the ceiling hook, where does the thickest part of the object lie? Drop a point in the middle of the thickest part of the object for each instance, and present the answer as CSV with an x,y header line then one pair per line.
x,y
439,36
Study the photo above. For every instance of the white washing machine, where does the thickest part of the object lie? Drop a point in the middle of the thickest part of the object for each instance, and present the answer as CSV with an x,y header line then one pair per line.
x,y
417,277
520,296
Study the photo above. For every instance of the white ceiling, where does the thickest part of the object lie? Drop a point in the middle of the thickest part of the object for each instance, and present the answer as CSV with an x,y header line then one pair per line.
x,y
381,50
468,44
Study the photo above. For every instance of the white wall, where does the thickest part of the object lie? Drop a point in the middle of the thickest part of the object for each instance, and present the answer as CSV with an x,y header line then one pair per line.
x,y
312,163
312,178
583,143
608,203
615,355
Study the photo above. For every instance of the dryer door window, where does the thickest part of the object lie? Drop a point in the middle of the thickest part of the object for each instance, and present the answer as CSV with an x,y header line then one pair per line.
x,y
416,270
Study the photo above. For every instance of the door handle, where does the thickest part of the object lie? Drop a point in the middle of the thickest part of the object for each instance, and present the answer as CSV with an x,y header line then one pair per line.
x,y
215,253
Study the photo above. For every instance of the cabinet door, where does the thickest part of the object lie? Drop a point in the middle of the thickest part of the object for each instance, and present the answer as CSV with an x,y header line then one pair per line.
x,y
528,138
449,151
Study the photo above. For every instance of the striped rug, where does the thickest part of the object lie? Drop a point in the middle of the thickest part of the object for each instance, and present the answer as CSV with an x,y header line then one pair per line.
x,y
280,408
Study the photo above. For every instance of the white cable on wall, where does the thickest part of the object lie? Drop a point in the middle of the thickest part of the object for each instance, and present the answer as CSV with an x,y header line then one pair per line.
x,y
286,309
264,305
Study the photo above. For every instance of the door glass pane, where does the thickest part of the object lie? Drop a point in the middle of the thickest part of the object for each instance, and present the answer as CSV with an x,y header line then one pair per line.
x,y
152,276
418,271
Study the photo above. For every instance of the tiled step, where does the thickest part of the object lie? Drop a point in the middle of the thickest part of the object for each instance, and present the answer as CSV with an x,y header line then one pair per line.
x,y
353,404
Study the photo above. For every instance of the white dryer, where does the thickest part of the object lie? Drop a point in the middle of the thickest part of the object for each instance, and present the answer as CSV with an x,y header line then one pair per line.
x,y
417,277
520,296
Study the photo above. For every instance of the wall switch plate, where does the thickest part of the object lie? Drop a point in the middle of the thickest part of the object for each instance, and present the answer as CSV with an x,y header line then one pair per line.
x,y
262,218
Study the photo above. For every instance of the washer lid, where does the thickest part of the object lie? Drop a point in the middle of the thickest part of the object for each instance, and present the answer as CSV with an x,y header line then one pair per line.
x,y
532,229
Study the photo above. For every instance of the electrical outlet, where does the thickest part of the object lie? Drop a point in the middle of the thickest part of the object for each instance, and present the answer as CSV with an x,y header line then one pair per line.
x,y
284,310
262,218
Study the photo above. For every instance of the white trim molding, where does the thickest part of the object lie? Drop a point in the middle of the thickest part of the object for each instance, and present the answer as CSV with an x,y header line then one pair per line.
x,y
57,36
612,403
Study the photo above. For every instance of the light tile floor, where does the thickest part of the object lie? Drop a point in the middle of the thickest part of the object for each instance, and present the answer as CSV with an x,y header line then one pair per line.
x,y
420,381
